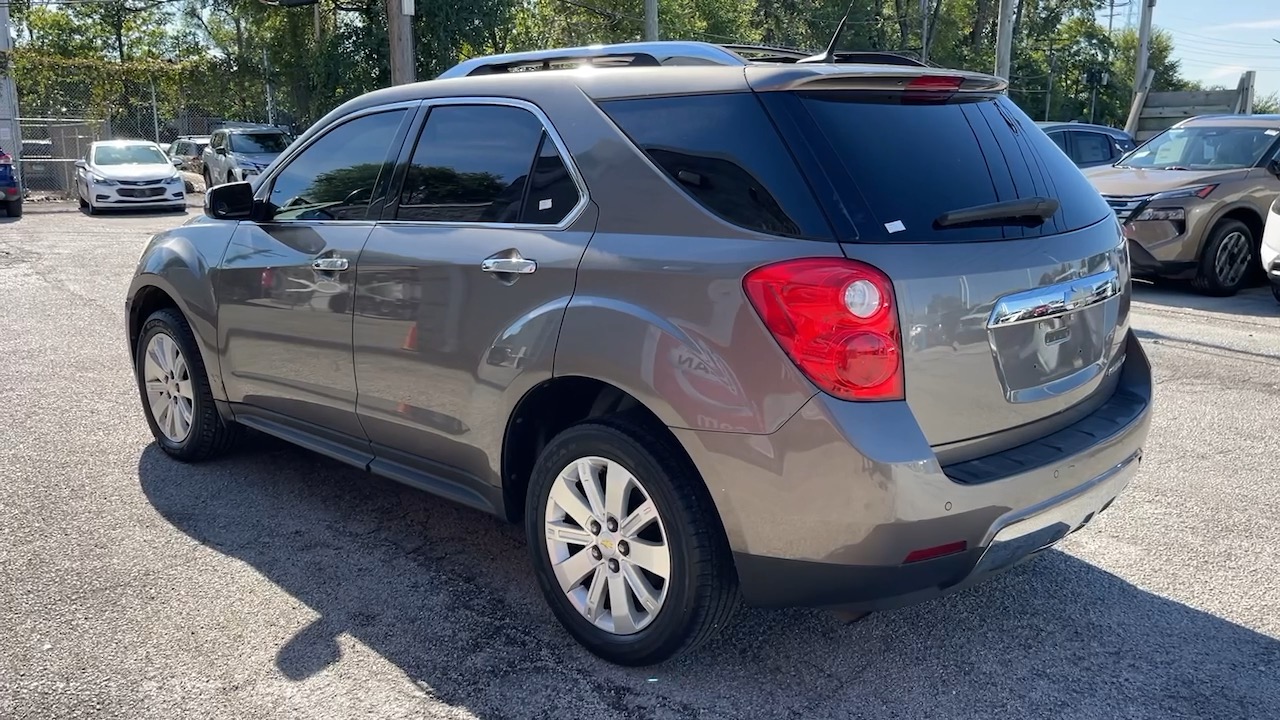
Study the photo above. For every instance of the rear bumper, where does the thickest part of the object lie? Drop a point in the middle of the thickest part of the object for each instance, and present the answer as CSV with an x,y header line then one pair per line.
x,y
825,512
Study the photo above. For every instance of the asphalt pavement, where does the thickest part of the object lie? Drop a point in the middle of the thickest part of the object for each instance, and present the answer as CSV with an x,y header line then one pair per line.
x,y
278,584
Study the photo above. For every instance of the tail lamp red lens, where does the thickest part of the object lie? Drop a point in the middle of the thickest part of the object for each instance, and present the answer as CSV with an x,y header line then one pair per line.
x,y
5,158
942,83
836,320
936,552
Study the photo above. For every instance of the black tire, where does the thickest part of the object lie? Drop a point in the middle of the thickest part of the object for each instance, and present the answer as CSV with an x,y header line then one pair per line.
x,y
208,181
1208,279
1275,291
84,204
209,436
230,177
13,208
702,592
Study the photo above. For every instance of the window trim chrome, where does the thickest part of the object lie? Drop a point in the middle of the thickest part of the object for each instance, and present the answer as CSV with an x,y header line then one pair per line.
x,y
584,195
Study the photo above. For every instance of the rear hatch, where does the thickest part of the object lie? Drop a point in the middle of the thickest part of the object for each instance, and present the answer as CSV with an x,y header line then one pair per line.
x,y
1012,327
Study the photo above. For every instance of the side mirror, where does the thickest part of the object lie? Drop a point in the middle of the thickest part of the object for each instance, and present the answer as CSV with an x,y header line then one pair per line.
x,y
177,162
233,201
220,151
1273,166
81,164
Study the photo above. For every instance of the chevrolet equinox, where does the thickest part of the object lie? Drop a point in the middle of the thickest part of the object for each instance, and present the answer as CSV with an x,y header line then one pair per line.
x,y
698,320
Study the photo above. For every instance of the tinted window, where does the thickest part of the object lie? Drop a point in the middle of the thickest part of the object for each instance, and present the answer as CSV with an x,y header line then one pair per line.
x,y
1060,139
471,164
336,176
1092,147
912,162
259,142
724,151
552,192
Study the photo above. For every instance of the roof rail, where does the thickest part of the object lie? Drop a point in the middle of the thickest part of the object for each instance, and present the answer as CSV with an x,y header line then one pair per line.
x,y
618,55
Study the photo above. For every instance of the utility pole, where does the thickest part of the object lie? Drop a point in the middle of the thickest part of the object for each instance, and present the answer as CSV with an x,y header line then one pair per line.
x,y
400,32
924,31
1053,68
266,79
1004,39
651,20
10,132
1144,44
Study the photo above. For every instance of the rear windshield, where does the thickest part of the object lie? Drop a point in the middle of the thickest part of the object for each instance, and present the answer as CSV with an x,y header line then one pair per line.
x,y
905,165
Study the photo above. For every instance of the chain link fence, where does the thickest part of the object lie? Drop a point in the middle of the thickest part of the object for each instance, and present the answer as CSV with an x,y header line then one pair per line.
x,y
64,106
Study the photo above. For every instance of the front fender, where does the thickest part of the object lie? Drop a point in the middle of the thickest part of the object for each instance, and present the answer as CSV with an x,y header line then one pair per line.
x,y
182,264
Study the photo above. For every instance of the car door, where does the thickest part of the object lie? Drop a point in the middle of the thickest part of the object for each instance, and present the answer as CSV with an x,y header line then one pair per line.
x,y
288,279
462,288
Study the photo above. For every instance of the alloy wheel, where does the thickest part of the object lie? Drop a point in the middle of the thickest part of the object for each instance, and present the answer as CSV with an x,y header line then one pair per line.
x,y
168,386
1231,261
607,544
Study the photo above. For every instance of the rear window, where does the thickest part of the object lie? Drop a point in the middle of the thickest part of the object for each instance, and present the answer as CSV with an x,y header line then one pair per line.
x,y
724,151
911,163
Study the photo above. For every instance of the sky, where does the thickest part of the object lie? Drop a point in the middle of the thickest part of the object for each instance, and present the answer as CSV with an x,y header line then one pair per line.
x,y
1217,40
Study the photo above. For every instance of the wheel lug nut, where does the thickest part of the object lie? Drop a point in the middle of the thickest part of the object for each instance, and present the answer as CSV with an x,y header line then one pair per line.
x,y
613,565
612,525
595,552
594,527
623,547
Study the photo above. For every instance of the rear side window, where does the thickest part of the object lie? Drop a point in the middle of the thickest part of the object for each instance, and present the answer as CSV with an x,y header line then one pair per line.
x,y
489,164
724,152
911,163
1092,147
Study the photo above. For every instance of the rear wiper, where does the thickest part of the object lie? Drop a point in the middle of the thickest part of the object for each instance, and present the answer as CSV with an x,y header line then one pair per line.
x,y
1030,211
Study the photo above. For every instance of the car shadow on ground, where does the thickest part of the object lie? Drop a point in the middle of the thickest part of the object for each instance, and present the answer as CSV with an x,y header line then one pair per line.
x,y
447,595
1253,301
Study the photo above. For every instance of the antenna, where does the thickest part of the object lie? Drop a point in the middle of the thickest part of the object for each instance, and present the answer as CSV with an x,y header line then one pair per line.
x,y
829,55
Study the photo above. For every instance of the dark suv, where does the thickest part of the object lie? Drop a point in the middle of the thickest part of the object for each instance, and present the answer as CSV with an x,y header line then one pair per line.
x,y
700,323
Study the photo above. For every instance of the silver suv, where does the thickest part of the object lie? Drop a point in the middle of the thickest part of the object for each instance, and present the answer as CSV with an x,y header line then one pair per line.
x,y
236,154
712,328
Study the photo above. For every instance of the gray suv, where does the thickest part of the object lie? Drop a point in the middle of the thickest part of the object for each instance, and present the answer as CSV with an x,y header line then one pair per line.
x,y
698,322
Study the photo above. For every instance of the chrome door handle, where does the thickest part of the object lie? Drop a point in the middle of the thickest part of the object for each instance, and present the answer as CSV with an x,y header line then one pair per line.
x,y
330,264
512,266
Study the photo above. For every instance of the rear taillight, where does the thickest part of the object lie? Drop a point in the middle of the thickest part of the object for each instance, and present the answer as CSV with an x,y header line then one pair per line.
x,y
836,320
6,159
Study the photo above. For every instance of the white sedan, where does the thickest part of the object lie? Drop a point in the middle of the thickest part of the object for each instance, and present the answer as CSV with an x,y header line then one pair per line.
x,y
1270,254
128,173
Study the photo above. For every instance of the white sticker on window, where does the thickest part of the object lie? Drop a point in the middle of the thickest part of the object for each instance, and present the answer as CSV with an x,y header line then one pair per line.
x,y
895,227
1272,131
544,204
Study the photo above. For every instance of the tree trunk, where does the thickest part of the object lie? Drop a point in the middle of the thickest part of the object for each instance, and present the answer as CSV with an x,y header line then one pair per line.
x,y
933,22
904,25
981,20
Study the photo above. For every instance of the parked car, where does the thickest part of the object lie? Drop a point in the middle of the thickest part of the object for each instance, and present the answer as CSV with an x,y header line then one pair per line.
x,y
655,314
237,154
10,191
1270,251
128,173
1089,145
189,149
1193,199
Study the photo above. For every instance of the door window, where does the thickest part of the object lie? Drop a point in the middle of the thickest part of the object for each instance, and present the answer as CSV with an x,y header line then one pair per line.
x,y
337,176
1060,139
486,163
1092,148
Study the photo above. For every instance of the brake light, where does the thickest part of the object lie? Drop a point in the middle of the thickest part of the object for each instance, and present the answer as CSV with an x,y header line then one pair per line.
x,y
936,82
934,553
5,158
837,321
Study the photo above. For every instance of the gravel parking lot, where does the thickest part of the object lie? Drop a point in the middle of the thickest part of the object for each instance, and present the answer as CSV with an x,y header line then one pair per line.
x,y
278,584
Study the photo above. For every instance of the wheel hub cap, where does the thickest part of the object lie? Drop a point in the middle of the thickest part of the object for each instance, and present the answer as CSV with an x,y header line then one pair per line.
x,y
167,378
607,545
